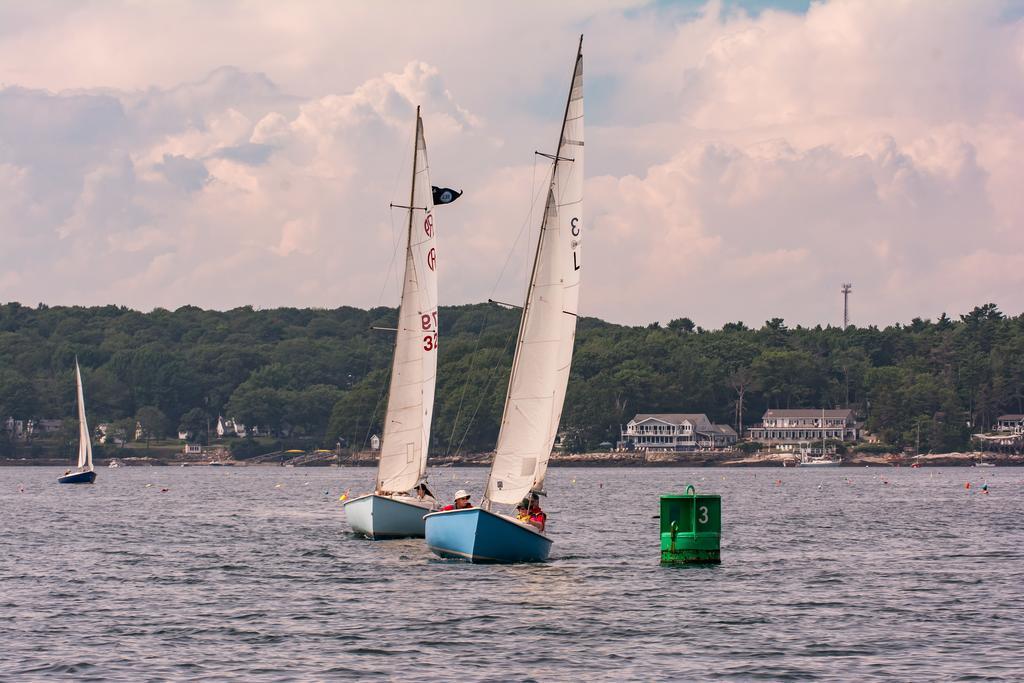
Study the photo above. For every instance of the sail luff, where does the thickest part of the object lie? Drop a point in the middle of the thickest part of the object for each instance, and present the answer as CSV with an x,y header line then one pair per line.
x,y
84,442
540,369
414,362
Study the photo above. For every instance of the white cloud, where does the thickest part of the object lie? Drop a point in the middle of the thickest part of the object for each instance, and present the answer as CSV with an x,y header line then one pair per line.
x,y
739,167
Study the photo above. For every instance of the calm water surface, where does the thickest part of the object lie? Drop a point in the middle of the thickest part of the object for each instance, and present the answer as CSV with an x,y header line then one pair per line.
x,y
249,574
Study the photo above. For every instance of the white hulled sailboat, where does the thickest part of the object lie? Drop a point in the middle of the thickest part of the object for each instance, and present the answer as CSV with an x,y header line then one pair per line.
x,y
396,507
540,370
822,460
85,474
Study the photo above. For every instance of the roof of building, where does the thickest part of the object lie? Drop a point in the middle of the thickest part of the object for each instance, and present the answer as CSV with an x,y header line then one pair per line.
x,y
719,429
671,418
807,412
1010,417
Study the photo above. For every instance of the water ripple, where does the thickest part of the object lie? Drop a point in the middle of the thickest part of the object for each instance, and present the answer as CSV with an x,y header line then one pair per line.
x,y
252,575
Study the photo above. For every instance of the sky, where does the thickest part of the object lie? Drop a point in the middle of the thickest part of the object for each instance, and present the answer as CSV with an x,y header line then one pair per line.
x,y
744,157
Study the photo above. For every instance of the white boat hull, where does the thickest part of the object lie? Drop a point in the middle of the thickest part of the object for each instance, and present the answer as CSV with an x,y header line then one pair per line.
x,y
820,463
382,517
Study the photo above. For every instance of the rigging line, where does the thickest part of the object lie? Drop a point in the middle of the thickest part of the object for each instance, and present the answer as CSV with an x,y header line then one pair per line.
x,y
476,346
487,385
380,396
465,383
383,287
373,415
522,229
394,185
526,253
369,346
533,182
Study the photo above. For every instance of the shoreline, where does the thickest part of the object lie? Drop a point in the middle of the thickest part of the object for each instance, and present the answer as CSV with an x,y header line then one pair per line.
x,y
602,459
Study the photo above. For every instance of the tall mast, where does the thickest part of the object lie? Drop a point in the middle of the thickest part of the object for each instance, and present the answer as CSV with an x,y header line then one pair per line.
x,y
401,301
412,185
84,440
533,402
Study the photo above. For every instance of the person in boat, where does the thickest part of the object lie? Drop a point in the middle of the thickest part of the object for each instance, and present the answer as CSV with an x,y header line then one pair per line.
x,y
532,514
523,510
461,501
422,492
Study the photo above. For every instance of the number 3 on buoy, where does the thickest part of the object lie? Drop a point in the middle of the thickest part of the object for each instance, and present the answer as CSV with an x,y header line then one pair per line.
x,y
703,519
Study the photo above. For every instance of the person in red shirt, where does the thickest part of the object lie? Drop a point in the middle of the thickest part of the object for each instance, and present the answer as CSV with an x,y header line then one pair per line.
x,y
461,501
529,511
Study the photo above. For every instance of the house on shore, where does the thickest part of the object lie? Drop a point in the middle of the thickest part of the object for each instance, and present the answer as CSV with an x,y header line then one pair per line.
x,y
16,429
105,433
1013,424
675,432
28,429
44,426
791,428
230,427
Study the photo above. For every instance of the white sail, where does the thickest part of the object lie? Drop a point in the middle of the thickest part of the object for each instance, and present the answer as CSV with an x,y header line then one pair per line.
x,y
540,371
403,458
84,442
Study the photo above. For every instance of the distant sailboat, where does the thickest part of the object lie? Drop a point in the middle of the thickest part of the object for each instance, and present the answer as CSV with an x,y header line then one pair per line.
x,y
85,473
540,370
823,460
394,510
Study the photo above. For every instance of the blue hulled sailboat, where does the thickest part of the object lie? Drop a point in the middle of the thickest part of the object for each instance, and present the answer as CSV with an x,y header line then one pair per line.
x,y
540,370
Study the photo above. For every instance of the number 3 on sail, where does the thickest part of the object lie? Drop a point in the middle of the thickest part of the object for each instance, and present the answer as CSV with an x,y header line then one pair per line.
x,y
575,242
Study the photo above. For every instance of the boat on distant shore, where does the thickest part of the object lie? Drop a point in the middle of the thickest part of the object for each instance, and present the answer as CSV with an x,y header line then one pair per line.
x,y
819,462
86,474
984,464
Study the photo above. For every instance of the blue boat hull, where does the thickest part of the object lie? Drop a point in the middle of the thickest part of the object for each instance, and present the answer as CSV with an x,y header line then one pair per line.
x,y
484,537
78,478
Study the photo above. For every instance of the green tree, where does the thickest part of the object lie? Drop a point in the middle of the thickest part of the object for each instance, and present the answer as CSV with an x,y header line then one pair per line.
x,y
787,378
681,325
18,396
153,423
359,412
195,422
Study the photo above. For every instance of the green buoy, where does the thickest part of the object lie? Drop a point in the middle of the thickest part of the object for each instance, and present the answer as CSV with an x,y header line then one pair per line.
x,y
691,528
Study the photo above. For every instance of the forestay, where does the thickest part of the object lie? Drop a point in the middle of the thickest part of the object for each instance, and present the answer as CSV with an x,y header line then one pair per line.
x,y
84,441
403,458
540,370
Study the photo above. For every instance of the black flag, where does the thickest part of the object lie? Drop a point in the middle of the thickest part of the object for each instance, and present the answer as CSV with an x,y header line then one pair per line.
x,y
444,195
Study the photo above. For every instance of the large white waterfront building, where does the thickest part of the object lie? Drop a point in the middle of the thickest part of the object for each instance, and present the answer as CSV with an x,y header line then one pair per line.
x,y
792,427
675,432
1013,424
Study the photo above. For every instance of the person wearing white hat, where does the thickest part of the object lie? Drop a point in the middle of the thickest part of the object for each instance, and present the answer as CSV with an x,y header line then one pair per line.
x,y
461,501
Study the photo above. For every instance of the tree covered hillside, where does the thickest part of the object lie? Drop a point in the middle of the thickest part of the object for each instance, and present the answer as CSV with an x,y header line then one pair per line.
x,y
322,374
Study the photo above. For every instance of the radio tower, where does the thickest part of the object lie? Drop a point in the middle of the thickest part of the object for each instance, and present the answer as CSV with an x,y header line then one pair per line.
x,y
847,288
